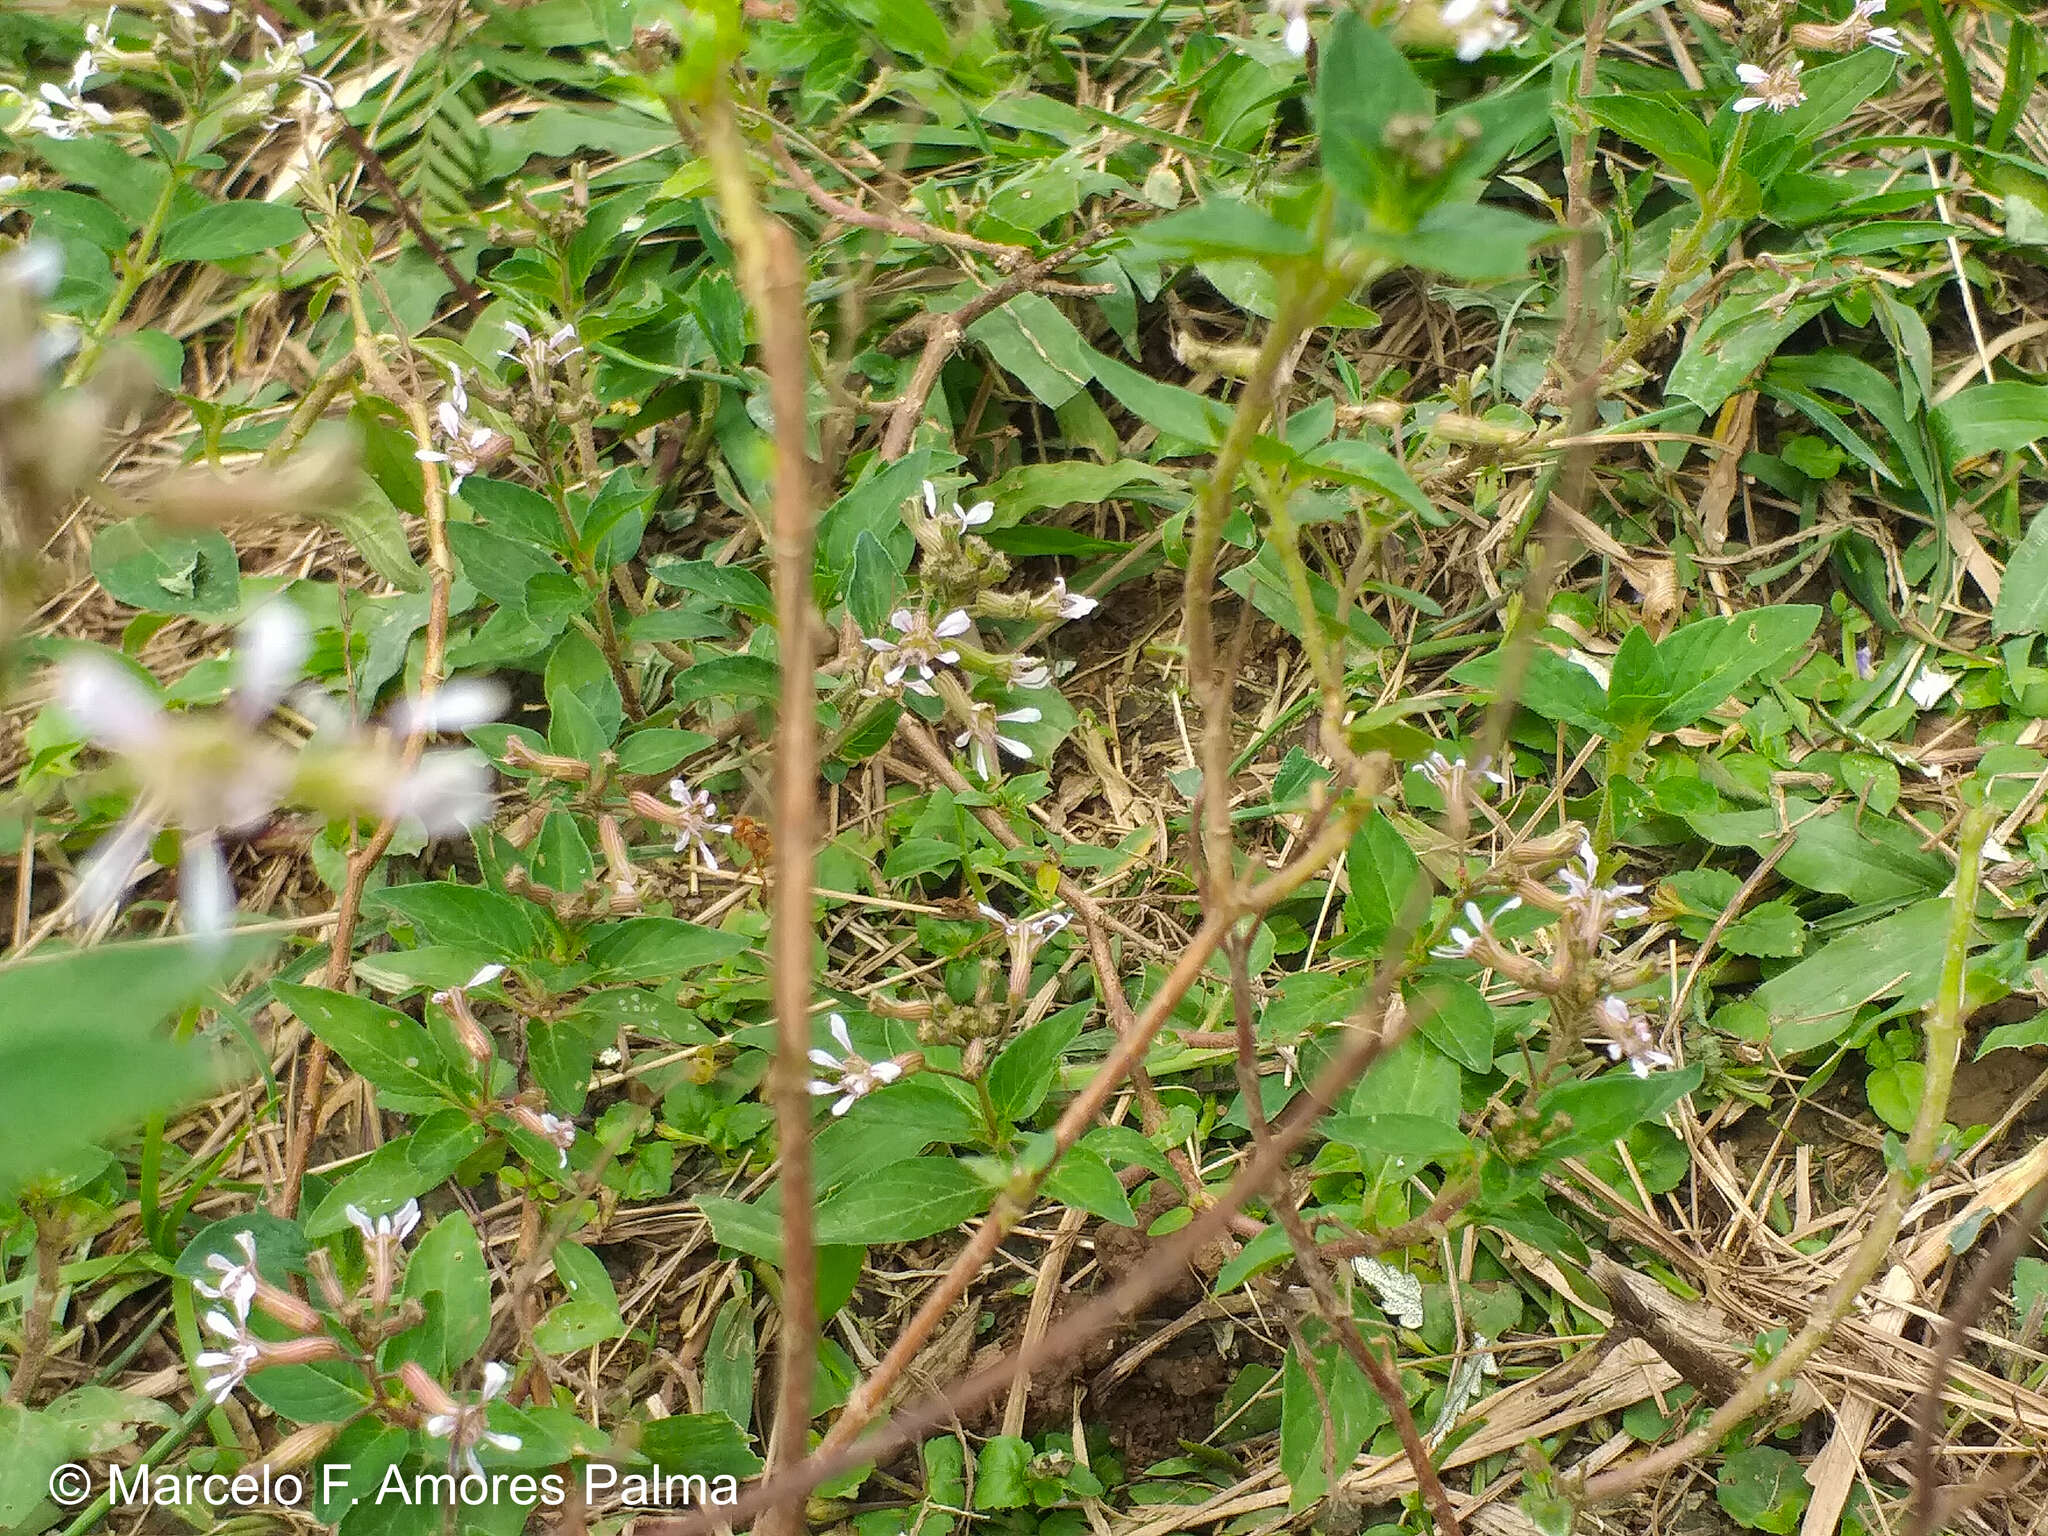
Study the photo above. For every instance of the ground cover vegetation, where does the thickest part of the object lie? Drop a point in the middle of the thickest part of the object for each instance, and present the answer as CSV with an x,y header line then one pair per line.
x,y
1034,768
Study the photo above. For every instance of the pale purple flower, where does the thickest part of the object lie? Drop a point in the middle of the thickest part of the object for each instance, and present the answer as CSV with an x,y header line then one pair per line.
x,y
64,111
697,820
1628,1038
466,1427
854,1076
1779,88
1596,907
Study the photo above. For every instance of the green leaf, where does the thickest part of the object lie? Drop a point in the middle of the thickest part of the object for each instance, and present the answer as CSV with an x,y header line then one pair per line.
x,y
380,1043
1454,1016
1894,1093
1866,858
1415,1078
227,231
729,1361
1416,1138
1708,660
2023,599
902,1203
1176,412
1607,1108
1001,1474
2002,417
1815,1001
1222,226
1025,1071
2015,1037
730,586
1362,84
164,570
1034,342
872,584
1676,138
1355,1414
74,1072
657,949
1637,689
1763,1489
1474,242
449,1263
1084,1179
487,922
704,1444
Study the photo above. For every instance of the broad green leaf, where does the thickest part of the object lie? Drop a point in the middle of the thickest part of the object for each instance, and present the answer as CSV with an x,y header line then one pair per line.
x,y
902,1202
449,1262
1025,1071
1736,339
2023,599
1867,858
490,923
1638,688
227,231
1816,1000
1354,1413
1677,138
730,1361
165,570
1474,242
2001,417
1416,1138
657,949
76,1073
1706,661
1223,226
380,1043
1762,1487
1362,84
1415,1078
1605,1109
1176,412
1382,869
1454,1016
1038,345
1082,1178
1001,1473
704,1444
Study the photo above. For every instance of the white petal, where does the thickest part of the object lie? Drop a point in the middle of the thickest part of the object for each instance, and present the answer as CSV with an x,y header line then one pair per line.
x,y
1029,715
404,1219
440,1425
205,890
954,623
503,1442
104,697
1748,103
447,793
978,514
931,501
1930,687
886,1071
270,655
844,1104
1296,35
1751,74
837,1024
109,869
457,705
495,1377
484,977
821,1089
901,619
823,1058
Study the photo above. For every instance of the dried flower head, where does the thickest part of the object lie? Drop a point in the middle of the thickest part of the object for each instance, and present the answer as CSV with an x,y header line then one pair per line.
x,y
1777,88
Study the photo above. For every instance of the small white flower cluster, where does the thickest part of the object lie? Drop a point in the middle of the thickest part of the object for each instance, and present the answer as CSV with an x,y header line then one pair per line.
x,y
1449,774
1777,88
985,730
853,1077
1031,931
1465,940
539,353
962,520
458,441
1593,906
215,772
64,111
1629,1039
920,647
465,1426
1479,26
695,818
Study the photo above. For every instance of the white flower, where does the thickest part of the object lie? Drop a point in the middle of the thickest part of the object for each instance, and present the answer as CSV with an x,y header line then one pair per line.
x,y
1465,940
1930,687
698,818
559,1131
1857,28
1029,672
235,1282
482,978
920,647
539,353
1597,905
460,441
445,793
1070,605
389,1230
1033,930
1779,88
459,704
465,1427
1629,1039
189,9
204,772
856,1076
1479,26
1295,32
8,184
233,1363
1444,772
963,520
66,113
986,728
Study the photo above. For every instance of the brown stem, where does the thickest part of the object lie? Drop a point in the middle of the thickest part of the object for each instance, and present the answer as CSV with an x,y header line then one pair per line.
x,y
795,834
1927,1514
900,225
